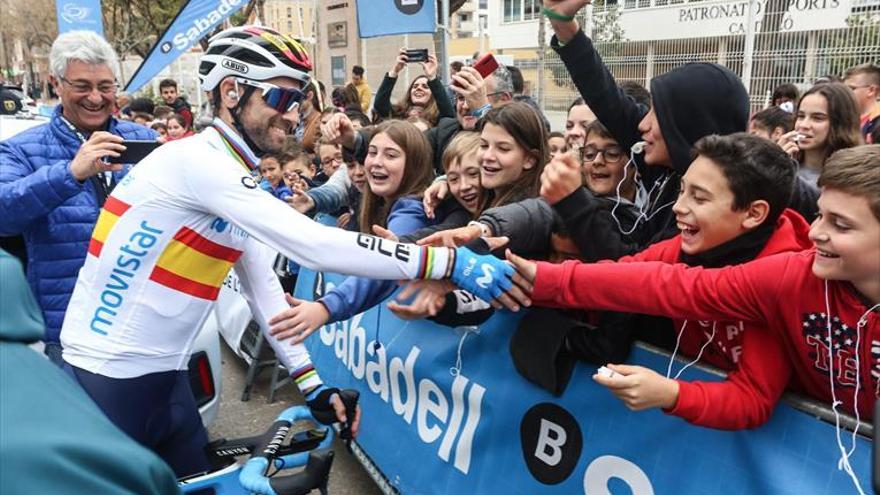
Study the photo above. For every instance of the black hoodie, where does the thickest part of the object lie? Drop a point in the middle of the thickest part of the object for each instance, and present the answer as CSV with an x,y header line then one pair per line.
x,y
690,102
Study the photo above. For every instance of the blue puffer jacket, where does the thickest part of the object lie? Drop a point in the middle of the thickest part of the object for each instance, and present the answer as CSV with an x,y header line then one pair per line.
x,y
41,200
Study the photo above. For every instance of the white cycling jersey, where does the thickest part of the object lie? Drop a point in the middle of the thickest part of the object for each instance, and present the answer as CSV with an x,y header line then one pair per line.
x,y
166,239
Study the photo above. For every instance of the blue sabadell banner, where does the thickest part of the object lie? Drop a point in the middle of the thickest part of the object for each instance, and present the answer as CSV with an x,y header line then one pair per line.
x,y
194,21
487,430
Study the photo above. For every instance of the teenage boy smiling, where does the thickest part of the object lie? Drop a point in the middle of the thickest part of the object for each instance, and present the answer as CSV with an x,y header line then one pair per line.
x,y
731,210
821,302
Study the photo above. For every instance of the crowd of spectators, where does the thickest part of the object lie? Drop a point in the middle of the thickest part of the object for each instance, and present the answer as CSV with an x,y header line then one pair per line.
x,y
658,179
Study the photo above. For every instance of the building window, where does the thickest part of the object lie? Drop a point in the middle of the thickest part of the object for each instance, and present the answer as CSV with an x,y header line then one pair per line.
x,y
512,10
521,10
289,12
337,70
484,4
532,9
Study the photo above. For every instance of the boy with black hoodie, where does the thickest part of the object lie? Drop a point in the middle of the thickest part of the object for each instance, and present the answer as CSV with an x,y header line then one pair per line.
x,y
688,102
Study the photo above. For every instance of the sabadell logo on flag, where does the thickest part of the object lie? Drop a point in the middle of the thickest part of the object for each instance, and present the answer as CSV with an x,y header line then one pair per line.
x,y
184,39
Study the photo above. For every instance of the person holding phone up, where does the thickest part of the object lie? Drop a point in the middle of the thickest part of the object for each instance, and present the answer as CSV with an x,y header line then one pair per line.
x,y
426,96
55,178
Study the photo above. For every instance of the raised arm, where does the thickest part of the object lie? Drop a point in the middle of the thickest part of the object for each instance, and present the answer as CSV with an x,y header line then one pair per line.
x,y
619,113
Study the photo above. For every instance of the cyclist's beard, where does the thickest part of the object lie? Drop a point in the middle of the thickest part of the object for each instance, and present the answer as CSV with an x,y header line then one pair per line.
x,y
269,137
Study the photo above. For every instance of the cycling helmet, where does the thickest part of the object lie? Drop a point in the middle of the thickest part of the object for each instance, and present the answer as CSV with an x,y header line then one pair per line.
x,y
255,52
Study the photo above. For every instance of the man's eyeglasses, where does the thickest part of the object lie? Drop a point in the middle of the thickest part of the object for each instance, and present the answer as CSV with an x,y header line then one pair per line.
x,y
611,155
84,87
283,100
331,159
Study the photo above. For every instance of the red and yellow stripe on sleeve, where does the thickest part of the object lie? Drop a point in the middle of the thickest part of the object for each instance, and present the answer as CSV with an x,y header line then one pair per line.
x,y
194,264
110,213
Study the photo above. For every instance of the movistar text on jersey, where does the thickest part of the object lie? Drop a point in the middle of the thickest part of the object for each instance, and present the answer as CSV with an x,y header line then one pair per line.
x,y
128,262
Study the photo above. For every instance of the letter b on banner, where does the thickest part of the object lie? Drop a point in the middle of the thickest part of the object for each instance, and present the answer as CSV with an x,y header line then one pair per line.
x,y
551,442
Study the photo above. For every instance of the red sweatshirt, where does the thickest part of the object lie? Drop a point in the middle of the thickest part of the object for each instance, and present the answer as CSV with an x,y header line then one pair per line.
x,y
778,292
759,374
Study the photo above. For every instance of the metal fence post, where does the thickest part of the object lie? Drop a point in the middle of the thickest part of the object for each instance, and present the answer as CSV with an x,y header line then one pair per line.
x,y
542,47
749,50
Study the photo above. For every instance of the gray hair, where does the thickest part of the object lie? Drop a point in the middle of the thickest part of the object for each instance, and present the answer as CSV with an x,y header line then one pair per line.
x,y
503,80
85,46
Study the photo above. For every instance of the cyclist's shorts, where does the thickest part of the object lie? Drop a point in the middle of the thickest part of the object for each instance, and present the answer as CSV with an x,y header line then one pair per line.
x,y
158,410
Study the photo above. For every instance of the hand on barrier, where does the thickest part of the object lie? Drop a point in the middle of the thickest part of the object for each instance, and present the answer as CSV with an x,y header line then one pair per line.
x,y
638,387
488,278
298,321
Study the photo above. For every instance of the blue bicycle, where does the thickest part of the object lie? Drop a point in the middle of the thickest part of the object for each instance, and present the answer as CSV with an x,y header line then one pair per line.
x,y
271,453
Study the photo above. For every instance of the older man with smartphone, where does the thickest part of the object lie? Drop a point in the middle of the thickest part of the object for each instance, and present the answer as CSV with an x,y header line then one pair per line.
x,y
55,177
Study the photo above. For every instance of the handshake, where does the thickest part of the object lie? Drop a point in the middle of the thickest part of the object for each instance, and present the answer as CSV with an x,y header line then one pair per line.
x,y
501,283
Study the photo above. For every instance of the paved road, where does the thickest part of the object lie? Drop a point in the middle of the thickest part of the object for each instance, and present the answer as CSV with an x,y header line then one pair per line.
x,y
237,419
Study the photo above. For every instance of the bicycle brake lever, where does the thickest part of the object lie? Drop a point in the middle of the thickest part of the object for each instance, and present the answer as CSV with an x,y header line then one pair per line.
x,y
349,399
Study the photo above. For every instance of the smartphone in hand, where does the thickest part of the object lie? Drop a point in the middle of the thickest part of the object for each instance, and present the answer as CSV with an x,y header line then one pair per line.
x,y
135,151
486,65
417,55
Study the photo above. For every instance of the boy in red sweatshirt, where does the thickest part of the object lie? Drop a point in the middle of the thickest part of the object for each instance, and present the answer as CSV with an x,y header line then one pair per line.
x,y
822,302
731,210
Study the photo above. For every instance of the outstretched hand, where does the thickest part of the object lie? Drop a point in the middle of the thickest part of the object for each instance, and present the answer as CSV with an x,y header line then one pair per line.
x,y
339,130
384,233
525,269
299,320
430,297
640,388
452,237
489,279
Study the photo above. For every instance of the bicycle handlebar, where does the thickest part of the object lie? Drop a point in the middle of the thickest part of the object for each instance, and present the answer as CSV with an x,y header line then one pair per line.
x,y
318,462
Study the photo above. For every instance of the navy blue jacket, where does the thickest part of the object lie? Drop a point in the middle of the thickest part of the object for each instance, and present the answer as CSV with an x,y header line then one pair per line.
x,y
55,213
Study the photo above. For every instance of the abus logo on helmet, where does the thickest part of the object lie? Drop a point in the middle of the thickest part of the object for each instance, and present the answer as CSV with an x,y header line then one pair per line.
x,y
236,66
199,26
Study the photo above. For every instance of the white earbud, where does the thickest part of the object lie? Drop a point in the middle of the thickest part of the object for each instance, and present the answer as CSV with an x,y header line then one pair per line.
x,y
638,147
232,94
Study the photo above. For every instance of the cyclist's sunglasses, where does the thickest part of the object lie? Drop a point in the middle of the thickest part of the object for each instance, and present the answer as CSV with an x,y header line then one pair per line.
x,y
281,99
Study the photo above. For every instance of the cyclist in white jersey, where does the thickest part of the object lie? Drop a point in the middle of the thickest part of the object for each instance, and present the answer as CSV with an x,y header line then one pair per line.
x,y
183,217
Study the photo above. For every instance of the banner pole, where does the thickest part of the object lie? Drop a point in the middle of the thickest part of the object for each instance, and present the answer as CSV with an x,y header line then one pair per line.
x,y
443,56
